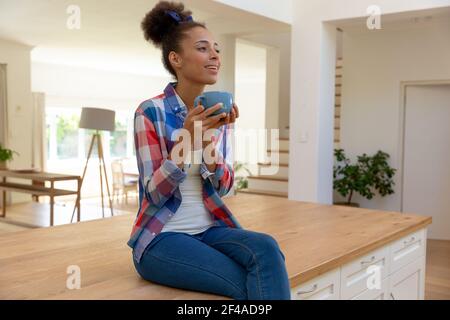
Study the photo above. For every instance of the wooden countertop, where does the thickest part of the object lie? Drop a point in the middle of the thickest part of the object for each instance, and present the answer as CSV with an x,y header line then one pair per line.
x,y
315,239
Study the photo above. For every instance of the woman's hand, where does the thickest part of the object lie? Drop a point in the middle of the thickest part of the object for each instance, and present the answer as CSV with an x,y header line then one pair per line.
x,y
207,121
232,116
229,118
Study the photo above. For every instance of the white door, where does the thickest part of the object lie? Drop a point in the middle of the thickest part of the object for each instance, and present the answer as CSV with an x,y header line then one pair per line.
x,y
426,183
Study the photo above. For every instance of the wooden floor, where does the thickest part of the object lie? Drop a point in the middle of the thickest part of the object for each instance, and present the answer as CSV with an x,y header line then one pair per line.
x,y
437,280
437,274
37,214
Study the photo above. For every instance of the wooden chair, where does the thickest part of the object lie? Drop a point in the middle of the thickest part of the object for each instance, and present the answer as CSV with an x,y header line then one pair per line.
x,y
121,184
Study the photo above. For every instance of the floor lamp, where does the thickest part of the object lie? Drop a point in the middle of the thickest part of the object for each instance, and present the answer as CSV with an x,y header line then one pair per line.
x,y
98,120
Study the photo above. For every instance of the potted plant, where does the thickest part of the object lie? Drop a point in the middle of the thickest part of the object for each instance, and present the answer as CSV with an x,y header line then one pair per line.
x,y
367,175
241,182
6,155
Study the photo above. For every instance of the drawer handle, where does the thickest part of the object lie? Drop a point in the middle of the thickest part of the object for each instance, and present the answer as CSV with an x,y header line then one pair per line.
x,y
314,288
372,259
409,241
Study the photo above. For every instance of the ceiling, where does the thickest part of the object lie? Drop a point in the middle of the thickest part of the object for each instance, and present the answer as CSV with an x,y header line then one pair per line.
x,y
110,36
394,21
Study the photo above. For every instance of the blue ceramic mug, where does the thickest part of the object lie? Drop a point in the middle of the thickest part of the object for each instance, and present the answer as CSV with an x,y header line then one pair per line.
x,y
211,98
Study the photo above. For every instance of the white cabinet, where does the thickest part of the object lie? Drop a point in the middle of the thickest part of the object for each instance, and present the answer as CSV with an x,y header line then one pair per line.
x,y
408,283
364,273
377,293
323,287
394,271
408,249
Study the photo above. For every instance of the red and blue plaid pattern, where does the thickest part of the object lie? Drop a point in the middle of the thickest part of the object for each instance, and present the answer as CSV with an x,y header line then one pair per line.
x,y
156,122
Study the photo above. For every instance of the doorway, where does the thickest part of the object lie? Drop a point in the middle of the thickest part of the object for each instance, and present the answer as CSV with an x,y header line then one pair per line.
x,y
426,155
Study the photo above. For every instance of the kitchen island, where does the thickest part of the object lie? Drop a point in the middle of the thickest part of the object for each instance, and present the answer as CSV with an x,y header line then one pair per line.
x,y
332,252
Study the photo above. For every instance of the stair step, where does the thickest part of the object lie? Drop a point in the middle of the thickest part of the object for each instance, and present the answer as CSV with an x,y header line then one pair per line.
x,y
265,192
269,164
261,177
277,151
268,183
274,171
283,144
276,157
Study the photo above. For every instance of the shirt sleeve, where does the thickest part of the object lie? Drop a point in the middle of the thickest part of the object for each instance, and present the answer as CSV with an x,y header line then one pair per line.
x,y
159,176
223,177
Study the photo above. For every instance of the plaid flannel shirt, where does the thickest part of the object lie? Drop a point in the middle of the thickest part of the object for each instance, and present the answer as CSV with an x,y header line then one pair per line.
x,y
156,122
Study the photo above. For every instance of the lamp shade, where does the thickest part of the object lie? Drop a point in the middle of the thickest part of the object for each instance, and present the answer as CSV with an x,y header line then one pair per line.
x,y
97,119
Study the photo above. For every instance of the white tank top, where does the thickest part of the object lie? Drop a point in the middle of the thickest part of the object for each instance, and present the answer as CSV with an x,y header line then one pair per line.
x,y
192,216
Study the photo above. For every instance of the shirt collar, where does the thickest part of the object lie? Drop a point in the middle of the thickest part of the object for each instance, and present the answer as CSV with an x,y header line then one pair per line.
x,y
176,104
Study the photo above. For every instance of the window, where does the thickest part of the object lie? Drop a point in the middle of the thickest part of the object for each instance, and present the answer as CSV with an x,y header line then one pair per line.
x,y
66,141
118,138
67,136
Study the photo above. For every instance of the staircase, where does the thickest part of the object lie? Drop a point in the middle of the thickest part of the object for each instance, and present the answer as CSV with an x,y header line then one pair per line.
x,y
337,103
277,184
273,185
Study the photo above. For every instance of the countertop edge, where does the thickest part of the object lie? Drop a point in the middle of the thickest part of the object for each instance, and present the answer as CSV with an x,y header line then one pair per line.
x,y
316,271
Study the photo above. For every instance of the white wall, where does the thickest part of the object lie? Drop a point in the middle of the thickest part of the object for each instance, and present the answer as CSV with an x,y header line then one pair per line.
x,y
19,103
67,86
17,58
250,96
280,10
333,10
282,42
77,87
374,65
312,88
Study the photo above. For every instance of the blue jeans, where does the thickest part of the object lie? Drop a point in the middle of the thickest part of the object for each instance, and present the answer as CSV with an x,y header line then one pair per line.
x,y
236,263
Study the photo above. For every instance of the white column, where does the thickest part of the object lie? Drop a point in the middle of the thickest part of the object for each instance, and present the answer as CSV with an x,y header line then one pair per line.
x,y
272,89
311,113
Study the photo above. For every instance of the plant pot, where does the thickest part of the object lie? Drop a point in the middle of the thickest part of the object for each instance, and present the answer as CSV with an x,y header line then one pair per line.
x,y
351,204
3,165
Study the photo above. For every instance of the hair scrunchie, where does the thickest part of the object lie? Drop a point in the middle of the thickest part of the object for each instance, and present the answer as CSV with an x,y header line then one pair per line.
x,y
176,17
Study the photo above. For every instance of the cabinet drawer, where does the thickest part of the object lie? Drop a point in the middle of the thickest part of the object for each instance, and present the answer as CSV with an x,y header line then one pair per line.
x,y
380,293
408,283
356,274
407,249
324,287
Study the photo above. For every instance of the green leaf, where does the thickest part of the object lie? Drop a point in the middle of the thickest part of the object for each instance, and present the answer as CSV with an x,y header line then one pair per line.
x,y
367,175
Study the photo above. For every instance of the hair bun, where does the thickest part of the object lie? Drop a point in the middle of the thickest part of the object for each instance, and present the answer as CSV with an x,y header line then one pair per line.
x,y
157,22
